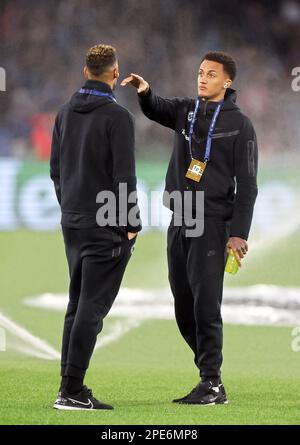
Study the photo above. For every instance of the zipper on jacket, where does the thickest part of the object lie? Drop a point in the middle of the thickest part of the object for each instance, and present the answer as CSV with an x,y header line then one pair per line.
x,y
205,106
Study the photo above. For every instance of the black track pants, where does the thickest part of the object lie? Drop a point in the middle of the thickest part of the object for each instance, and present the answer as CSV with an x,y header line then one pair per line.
x,y
196,272
97,258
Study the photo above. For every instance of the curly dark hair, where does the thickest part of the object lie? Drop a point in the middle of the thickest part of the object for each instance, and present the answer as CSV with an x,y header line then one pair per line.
x,y
99,58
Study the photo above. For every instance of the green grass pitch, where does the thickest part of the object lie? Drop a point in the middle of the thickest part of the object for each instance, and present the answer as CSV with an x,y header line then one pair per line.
x,y
144,370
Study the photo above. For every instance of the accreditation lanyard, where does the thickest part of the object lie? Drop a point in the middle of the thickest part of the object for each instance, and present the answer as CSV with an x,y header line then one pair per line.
x,y
196,168
97,93
210,131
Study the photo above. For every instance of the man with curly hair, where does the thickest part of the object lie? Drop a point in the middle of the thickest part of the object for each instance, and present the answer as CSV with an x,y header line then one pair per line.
x,y
92,154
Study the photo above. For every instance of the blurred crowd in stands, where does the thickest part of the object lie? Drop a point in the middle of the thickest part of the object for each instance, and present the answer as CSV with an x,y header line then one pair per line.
x,y
43,44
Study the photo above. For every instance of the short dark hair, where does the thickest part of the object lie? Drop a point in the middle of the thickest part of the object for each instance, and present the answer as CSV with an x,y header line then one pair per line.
x,y
225,59
99,58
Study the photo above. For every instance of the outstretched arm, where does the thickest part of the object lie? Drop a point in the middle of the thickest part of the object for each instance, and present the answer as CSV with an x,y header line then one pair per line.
x,y
162,111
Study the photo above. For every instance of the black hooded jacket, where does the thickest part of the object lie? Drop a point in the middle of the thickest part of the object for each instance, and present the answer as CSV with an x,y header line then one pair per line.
x,y
92,151
233,160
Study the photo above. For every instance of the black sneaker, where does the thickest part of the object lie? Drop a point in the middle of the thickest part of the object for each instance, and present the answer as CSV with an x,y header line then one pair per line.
x,y
184,397
205,393
58,397
84,400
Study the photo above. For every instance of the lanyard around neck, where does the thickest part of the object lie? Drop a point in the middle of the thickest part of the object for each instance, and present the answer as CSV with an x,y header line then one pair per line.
x,y
210,131
96,93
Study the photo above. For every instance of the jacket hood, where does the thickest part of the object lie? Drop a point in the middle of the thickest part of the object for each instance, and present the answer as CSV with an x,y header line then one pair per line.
x,y
84,103
228,104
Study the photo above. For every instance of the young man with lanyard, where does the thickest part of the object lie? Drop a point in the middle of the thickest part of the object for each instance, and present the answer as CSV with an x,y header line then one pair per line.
x,y
215,151
92,152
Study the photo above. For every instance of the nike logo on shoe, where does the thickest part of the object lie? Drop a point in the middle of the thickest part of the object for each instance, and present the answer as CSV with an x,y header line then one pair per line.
x,y
86,405
214,388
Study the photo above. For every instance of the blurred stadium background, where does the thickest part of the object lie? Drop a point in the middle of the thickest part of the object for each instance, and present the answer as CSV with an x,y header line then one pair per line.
x,y
141,361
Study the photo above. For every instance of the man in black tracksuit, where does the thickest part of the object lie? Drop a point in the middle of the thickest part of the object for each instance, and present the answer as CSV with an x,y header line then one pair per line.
x,y
196,264
92,152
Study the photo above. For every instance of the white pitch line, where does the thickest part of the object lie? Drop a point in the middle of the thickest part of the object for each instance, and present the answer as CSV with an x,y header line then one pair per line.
x,y
285,228
27,350
35,346
119,329
262,304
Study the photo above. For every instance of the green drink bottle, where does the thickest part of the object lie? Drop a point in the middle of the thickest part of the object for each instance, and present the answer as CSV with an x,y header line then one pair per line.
x,y
232,265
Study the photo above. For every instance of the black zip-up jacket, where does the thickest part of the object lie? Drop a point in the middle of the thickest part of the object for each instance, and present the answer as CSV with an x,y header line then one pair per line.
x,y
92,151
233,159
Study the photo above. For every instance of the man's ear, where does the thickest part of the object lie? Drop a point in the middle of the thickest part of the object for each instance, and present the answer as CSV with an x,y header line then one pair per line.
x,y
116,73
85,72
227,83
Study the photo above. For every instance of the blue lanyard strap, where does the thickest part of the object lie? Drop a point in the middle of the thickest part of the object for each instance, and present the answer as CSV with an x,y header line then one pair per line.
x,y
210,131
96,93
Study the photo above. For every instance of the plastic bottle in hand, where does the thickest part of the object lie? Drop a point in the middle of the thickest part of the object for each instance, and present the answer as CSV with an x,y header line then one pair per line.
x,y
232,265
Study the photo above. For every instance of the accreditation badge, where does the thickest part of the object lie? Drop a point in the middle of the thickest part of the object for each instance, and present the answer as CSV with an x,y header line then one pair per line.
x,y
195,170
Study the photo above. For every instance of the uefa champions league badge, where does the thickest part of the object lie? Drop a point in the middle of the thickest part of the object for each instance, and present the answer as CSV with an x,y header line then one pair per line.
x,y
190,116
